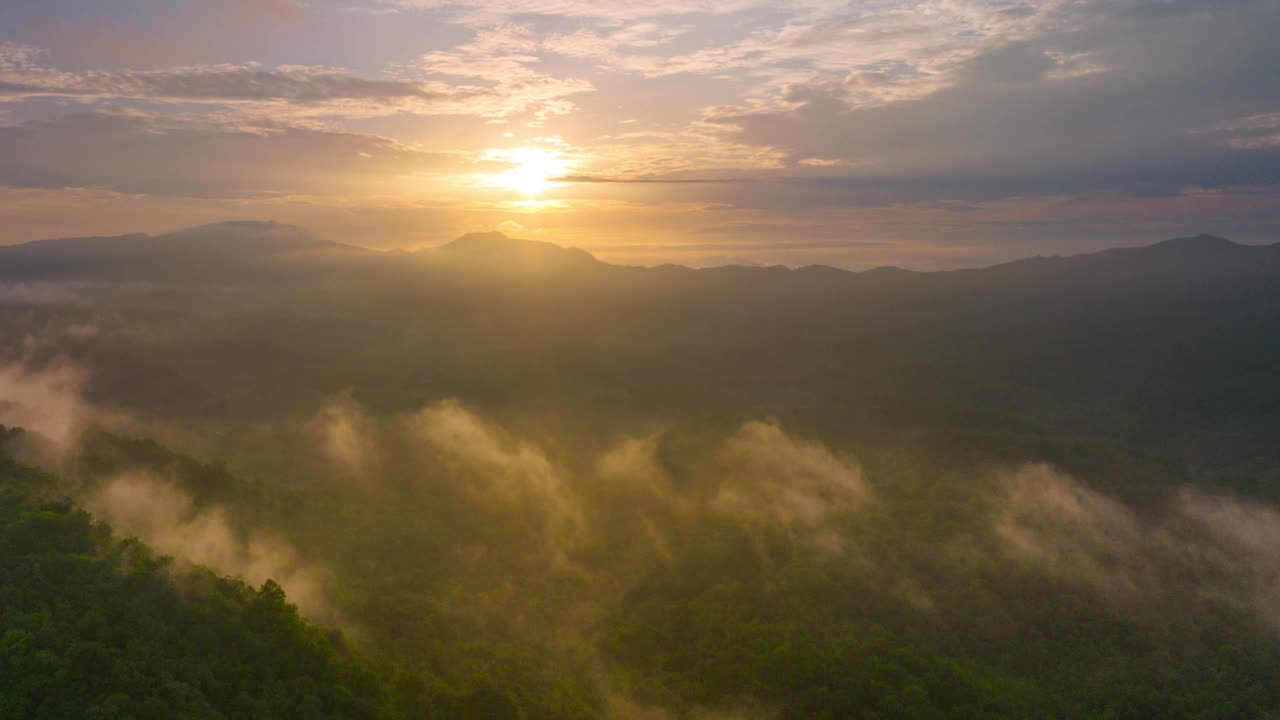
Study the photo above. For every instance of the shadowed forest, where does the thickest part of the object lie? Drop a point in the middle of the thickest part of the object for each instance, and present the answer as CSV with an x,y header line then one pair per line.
x,y
252,474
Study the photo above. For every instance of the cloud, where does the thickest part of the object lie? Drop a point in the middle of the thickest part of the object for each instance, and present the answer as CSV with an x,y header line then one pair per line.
x,y
1101,96
770,42
636,501
346,433
298,92
510,470
760,477
1204,548
45,398
505,56
803,111
134,153
299,89
1049,519
477,12
1248,534
166,518
775,43
782,481
265,10
763,477
37,293
152,32
631,458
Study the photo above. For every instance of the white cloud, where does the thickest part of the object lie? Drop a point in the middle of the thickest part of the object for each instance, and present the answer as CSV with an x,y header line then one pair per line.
x,y
44,399
798,485
511,470
297,92
166,518
503,56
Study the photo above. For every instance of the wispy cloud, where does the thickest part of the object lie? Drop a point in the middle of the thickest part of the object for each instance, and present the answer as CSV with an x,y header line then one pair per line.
x,y
301,92
503,57
138,153
819,116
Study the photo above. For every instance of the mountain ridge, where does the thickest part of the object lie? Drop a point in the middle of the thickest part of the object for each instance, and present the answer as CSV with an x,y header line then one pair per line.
x,y
244,242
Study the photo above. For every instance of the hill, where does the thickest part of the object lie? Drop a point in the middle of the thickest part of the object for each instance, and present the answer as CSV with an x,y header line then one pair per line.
x,y
543,486
1170,345
236,251
99,626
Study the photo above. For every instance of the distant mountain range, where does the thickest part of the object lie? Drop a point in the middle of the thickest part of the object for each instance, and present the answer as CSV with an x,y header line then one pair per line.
x,y
1163,345
221,250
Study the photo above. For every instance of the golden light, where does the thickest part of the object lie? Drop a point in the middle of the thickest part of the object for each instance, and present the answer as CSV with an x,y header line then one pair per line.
x,y
533,172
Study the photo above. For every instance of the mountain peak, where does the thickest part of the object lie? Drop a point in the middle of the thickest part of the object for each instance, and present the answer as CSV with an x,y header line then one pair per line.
x,y
492,241
1197,244
494,249
242,235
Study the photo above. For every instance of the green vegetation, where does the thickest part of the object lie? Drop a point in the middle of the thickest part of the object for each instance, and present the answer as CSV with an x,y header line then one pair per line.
x,y
923,610
97,627
570,491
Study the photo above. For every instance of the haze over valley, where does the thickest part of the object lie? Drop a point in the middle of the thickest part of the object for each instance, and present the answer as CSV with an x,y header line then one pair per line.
x,y
682,360
527,483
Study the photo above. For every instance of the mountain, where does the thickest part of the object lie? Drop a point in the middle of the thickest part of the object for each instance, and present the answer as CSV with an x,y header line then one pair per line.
x,y
252,248
495,247
204,252
540,483
1202,244
236,253
1155,344
119,631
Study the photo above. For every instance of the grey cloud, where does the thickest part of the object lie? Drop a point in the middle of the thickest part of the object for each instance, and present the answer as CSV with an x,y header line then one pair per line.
x,y
288,10
505,87
490,11
295,84
21,76
1108,96
653,180
135,154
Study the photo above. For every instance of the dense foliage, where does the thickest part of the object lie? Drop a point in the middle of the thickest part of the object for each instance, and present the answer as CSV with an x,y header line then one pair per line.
x,y
553,489
97,627
742,613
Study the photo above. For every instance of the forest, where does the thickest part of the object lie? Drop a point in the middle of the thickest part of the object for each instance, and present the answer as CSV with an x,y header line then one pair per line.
x,y
502,479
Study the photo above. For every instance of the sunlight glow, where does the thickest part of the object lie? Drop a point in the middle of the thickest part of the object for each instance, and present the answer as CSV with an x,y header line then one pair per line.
x,y
533,171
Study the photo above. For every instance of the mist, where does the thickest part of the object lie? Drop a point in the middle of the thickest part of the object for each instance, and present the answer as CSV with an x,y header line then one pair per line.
x,y
46,399
159,513
595,360
569,490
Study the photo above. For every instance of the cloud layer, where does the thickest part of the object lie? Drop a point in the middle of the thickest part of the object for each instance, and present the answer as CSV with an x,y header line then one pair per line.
x,y
763,122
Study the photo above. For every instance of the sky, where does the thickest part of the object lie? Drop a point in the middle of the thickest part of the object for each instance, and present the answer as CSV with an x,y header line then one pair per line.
x,y
922,133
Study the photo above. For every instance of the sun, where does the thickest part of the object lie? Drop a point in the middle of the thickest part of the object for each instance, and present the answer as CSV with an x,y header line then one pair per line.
x,y
533,170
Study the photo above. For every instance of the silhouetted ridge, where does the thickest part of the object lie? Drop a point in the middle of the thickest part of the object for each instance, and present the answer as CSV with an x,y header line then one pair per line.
x,y
180,255
238,238
887,271
1202,243
231,253
495,249
251,235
